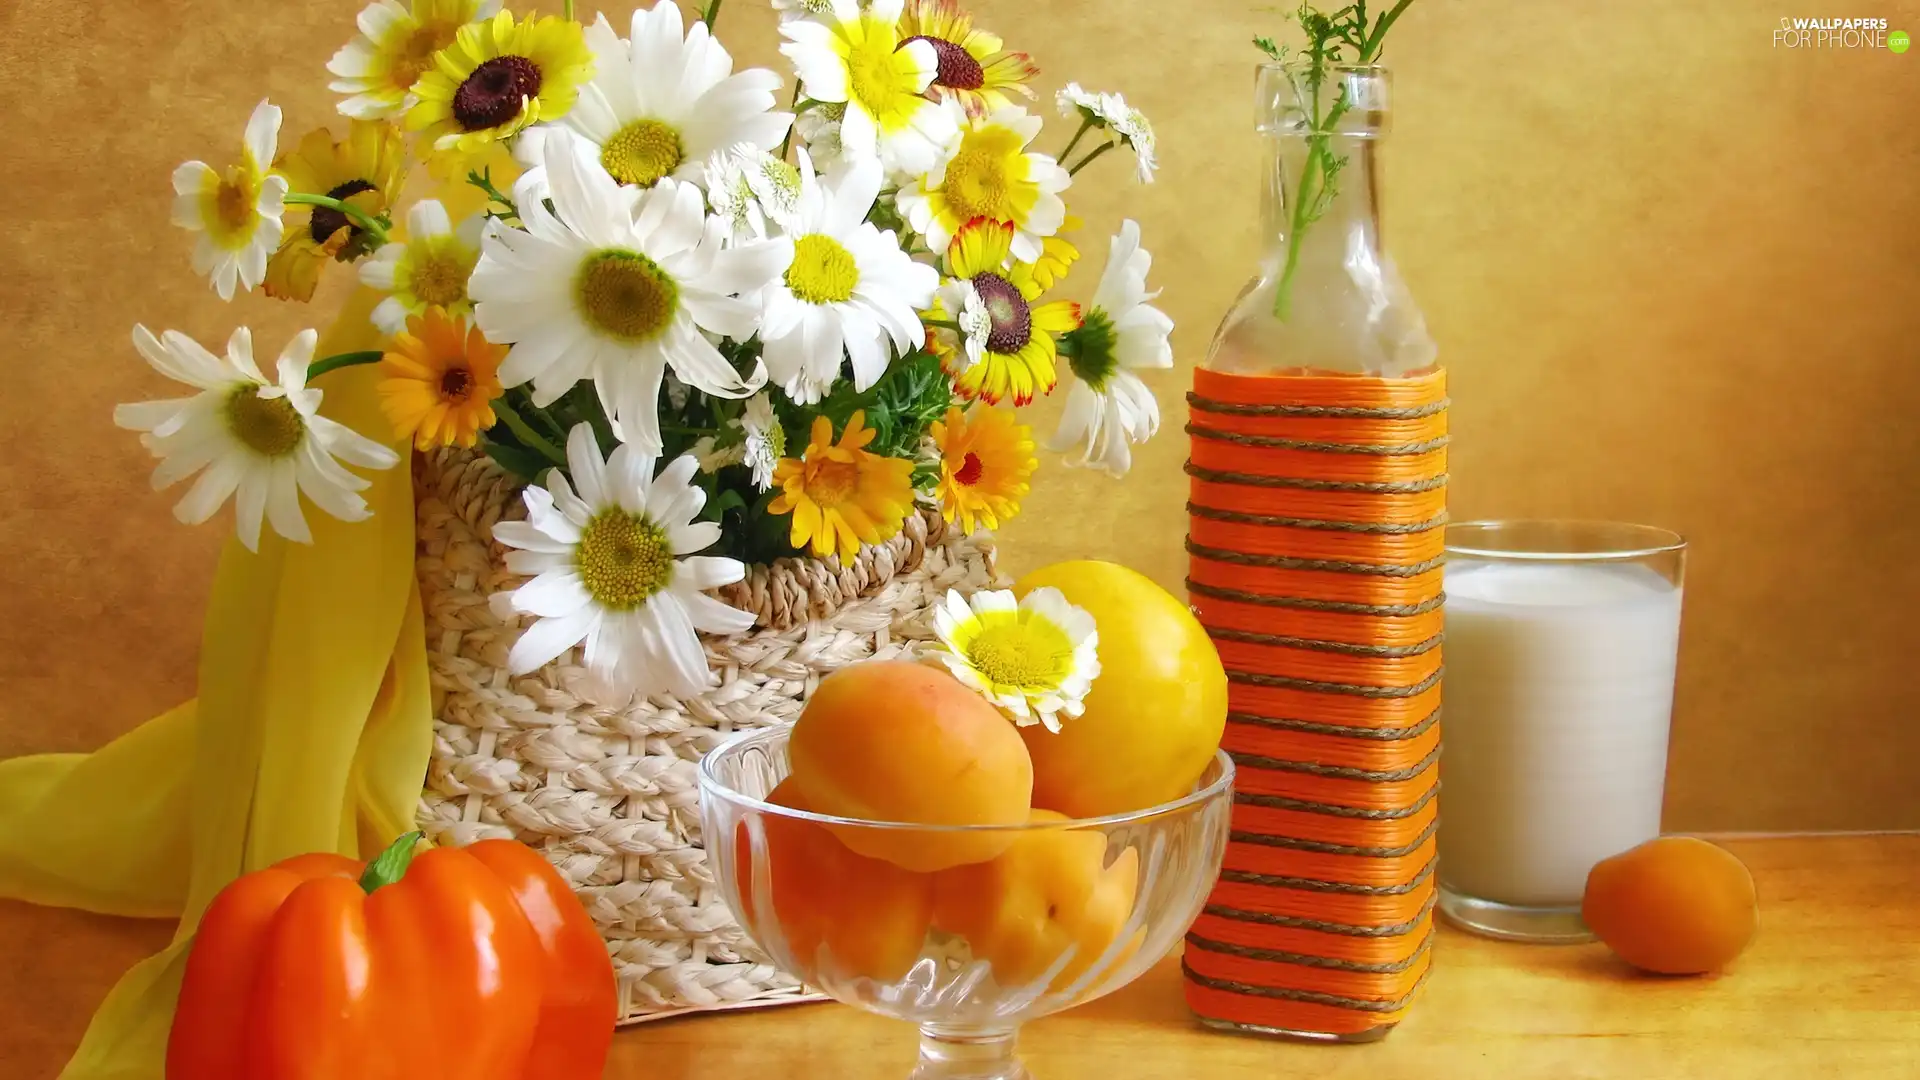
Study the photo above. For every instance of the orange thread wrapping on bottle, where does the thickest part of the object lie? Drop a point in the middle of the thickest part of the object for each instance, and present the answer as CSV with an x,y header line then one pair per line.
x,y
1316,506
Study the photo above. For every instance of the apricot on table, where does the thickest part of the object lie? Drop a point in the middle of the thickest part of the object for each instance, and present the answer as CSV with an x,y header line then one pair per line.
x,y
897,741
1675,905
1049,892
870,917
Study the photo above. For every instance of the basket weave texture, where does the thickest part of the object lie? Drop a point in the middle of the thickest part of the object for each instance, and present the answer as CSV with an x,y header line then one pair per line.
x,y
610,795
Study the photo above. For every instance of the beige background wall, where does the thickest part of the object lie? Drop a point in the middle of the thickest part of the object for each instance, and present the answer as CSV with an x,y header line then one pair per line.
x,y
1674,271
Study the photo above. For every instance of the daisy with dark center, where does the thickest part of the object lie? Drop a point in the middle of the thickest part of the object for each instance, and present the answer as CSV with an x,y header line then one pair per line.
x,y
1004,346
990,174
237,212
662,102
1108,407
618,285
973,69
496,78
440,379
613,563
395,47
364,170
259,441
854,56
986,461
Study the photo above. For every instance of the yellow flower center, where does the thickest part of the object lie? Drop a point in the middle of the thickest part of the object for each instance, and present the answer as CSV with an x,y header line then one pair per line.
x,y
623,559
872,77
270,427
1025,654
227,205
415,54
823,270
625,295
977,184
439,279
643,152
829,482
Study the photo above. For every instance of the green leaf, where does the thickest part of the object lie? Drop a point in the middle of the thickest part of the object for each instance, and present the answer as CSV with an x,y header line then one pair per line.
x,y
518,460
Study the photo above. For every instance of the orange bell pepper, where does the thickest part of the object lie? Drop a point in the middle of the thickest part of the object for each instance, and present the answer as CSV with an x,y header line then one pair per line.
x,y
473,963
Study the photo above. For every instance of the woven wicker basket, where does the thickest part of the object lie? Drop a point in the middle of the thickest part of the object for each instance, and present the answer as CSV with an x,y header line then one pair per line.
x,y
609,795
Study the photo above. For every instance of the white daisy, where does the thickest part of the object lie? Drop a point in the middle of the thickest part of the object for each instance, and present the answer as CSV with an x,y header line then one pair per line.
x,y
428,269
849,292
395,46
661,103
1108,407
616,284
614,566
263,438
988,173
712,457
748,188
1035,658
854,56
1112,112
819,131
237,214
766,440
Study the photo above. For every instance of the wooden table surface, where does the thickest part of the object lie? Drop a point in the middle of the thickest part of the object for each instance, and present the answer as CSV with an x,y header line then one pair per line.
x,y
1830,990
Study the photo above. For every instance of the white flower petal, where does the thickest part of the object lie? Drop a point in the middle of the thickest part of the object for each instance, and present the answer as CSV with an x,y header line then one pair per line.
x,y
544,641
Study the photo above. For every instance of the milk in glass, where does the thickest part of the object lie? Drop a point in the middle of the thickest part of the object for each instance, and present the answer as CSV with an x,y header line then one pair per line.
x,y
1559,690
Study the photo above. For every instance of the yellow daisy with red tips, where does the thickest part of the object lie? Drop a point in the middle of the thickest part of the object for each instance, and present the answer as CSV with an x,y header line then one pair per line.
x,y
986,463
840,495
441,377
989,329
973,69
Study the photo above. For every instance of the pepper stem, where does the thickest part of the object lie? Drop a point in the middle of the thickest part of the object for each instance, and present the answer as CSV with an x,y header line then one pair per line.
x,y
390,865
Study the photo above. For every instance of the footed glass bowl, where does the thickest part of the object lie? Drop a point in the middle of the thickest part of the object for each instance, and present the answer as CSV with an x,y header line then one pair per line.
x,y
970,944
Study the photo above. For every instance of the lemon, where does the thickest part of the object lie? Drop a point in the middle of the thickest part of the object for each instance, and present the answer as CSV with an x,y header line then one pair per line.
x,y
1156,712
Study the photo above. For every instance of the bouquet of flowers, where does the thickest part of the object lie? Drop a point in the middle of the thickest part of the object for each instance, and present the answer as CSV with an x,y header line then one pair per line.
x,y
705,330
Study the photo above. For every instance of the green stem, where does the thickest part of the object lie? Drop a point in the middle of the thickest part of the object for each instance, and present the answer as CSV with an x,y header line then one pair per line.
x,y
1088,160
367,222
566,9
1086,125
944,324
525,433
1374,41
713,10
339,360
786,144
390,865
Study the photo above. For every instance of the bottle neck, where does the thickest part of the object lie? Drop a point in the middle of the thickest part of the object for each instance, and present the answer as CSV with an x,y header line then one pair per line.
x,y
1326,189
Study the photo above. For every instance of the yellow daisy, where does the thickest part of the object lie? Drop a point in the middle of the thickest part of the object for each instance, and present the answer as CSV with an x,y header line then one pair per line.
x,y
853,56
1005,342
364,169
973,69
395,47
497,77
236,212
986,460
441,379
840,495
1057,255
988,173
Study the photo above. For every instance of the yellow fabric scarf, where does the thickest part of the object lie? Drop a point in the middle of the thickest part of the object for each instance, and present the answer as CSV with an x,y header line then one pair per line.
x,y
311,733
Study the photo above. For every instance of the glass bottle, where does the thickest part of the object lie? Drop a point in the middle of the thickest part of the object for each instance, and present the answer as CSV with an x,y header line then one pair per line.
x,y
1318,426
1343,307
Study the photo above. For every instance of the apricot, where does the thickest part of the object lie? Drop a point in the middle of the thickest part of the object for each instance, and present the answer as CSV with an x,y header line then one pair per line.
x,y
1674,905
1156,712
841,913
1049,892
892,740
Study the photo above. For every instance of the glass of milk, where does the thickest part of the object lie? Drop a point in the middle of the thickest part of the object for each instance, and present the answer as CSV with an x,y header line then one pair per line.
x,y
1561,644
